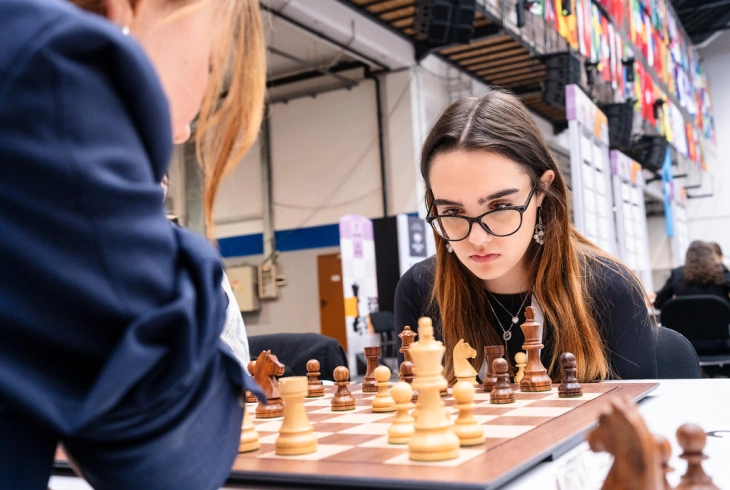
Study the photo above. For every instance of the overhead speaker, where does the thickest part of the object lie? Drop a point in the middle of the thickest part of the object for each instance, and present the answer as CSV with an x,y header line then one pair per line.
x,y
620,123
649,150
563,69
442,22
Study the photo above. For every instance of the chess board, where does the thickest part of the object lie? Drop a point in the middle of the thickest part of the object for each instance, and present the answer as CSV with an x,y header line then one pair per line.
x,y
353,450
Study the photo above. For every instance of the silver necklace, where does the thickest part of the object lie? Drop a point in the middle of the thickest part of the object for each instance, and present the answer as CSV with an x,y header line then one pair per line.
x,y
506,334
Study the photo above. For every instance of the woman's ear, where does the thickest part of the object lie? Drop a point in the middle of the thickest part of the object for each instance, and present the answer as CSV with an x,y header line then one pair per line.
x,y
546,179
121,12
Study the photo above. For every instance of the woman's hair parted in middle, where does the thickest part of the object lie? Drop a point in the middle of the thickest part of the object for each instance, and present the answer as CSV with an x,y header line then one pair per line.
x,y
498,122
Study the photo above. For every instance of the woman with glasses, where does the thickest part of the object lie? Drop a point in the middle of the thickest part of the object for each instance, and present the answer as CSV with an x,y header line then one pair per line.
x,y
499,208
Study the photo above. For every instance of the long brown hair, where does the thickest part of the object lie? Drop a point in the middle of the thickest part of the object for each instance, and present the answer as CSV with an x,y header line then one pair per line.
x,y
498,122
229,120
700,266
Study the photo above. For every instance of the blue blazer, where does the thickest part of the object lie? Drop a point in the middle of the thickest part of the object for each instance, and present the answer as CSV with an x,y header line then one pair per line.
x,y
109,317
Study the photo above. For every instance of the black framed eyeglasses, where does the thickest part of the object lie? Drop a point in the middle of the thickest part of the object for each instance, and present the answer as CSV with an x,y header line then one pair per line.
x,y
498,222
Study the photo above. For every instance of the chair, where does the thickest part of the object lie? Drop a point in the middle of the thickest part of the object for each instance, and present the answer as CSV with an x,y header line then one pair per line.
x,y
294,350
675,356
383,323
705,321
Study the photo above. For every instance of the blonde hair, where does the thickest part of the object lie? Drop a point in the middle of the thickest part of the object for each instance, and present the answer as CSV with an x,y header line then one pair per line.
x,y
229,121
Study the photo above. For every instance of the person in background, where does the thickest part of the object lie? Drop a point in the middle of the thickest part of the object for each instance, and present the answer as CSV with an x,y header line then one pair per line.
x,y
718,255
700,274
498,205
110,318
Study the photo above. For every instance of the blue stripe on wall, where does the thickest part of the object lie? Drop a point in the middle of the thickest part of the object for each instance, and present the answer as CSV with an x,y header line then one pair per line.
x,y
286,241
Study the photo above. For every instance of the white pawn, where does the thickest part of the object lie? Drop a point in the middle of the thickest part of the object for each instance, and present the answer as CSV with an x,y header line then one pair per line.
x,y
401,429
466,427
520,362
296,435
383,402
249,437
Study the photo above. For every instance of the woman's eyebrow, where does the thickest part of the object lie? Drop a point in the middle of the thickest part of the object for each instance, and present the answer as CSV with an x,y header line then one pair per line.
x,y
497,195
446,202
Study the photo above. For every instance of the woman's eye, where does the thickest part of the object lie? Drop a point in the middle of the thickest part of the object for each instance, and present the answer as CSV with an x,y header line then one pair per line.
x,y
450,212
501,205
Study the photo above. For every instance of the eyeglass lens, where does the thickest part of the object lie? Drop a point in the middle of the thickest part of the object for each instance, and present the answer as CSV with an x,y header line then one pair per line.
x,y
500,223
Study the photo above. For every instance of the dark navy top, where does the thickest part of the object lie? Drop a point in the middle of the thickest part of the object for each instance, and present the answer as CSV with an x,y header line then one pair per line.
x,y
109,317
620,312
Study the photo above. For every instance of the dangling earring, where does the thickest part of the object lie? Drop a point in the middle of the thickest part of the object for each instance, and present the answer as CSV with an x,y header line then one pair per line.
x,y
539,235
125,30
449,247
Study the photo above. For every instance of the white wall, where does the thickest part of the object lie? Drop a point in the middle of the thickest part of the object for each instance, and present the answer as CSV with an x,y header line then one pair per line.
x,y
297,308
709,218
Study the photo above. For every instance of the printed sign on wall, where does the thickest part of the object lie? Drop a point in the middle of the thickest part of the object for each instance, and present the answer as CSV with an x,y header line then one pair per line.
x,y
359,283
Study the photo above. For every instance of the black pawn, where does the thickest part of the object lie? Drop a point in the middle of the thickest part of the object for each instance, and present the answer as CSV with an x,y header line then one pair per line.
x,y
569,385
406,374
502,390
692,440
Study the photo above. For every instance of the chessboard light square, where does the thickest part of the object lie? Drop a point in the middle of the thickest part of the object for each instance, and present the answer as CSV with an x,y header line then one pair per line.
x,y
369,429
323,451
382,442
539,411
586,396
464,456
359,418
271,438
328,409
510,406
505,431
319,402
481,419
481,396
272,426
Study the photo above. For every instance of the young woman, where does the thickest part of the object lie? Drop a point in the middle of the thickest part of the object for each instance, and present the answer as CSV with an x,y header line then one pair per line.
x,y
499,208
109,317
701,273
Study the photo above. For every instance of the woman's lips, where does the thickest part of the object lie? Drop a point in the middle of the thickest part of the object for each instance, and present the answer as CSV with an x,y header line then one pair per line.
x,y
484,259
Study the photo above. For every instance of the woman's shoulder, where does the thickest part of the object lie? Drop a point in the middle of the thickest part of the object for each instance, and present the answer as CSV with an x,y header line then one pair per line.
x,y
610,277
422,272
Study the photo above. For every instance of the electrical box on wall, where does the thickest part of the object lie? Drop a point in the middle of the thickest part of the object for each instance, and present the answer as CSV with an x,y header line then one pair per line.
x,y
244,283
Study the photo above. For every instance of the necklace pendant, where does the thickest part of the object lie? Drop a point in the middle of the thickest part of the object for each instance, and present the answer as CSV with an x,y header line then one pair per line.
x,y
507,335
515,319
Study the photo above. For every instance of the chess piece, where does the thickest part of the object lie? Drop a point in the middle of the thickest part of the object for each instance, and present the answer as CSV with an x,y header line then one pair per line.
x,y
463,370
401,429
407,336
535,377
315,388
466,427
569,385
622,433
372,354
383,401
433,439
665,454
491,352
406,374
343,399
266,369
296,435
249,436
520,362
502,390
692,439
250,397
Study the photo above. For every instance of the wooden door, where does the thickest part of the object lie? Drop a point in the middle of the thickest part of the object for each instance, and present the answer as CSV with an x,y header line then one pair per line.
x,y
331,298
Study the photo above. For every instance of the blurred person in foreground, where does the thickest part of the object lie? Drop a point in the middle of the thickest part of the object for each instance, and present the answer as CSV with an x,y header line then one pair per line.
x,y
109,317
